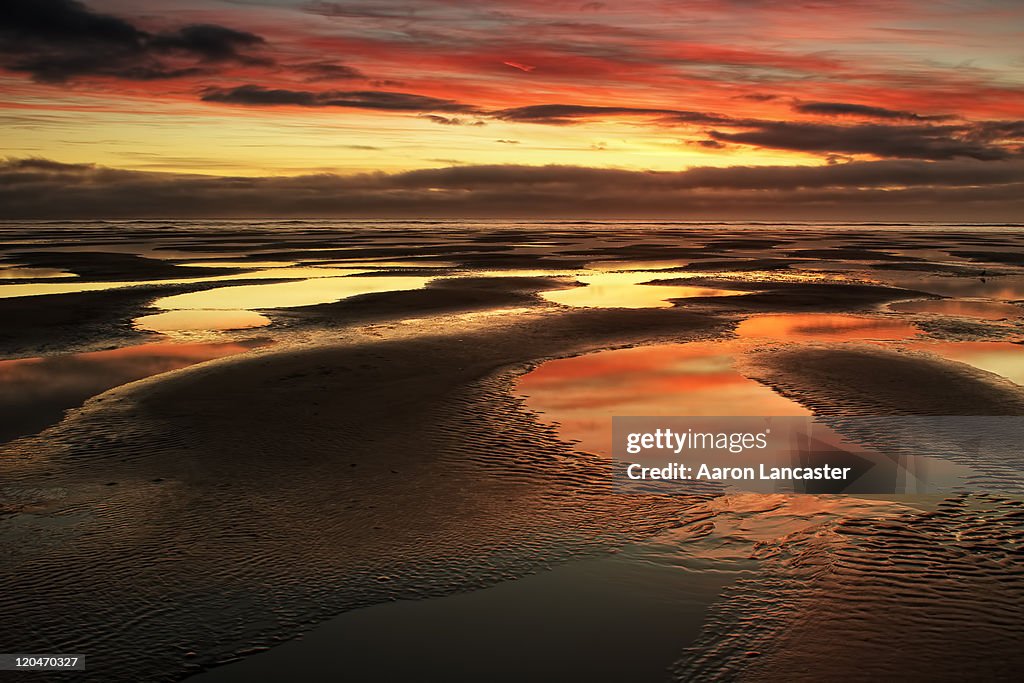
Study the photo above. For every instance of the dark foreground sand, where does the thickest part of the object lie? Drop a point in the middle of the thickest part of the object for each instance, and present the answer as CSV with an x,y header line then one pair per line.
x,y
237,503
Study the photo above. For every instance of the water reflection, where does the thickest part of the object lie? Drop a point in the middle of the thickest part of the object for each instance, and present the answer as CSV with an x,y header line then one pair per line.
x,y
825,327
627,290
583,393
1005,359
188,321
35,392
288,294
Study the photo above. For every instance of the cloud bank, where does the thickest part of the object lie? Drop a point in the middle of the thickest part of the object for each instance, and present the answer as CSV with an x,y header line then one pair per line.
x,y
871,190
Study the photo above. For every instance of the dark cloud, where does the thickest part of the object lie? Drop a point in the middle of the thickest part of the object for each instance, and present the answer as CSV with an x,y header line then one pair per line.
x,y
210,43
877,190
985,140
58,40
65,21
846,109
257,95
992,131
568,114
328,71
887,141
452,120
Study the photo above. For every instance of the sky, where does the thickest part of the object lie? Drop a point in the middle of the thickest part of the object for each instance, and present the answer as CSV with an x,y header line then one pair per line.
x,y
746,109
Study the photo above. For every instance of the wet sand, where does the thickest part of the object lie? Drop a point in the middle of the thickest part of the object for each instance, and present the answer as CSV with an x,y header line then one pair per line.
x,y
841,379
379,452
423,475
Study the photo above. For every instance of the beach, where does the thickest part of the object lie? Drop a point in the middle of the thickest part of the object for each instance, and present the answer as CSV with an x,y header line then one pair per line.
x,y
375,422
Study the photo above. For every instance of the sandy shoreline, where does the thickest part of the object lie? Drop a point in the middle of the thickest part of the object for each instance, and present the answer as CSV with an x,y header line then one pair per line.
x,y
381,453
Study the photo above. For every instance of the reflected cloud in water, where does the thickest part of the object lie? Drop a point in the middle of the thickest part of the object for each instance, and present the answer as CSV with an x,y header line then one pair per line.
x,y
825,327
202,320
35,392
582,394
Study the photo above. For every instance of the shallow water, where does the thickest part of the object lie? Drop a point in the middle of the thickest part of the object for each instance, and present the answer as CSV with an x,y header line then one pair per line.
x,y
35,392
581,395
1005,359
188,320
825,327
621,618
627,290
288,294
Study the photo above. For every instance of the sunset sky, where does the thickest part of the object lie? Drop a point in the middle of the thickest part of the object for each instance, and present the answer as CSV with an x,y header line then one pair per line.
x,y
864,109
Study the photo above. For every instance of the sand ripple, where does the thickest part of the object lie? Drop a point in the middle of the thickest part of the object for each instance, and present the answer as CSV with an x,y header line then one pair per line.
x,y
923,595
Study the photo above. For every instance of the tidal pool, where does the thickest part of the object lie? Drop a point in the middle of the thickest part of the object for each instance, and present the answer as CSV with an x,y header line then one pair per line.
x,y
581,395
825,327
627,290
200,320
35,392
288,294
